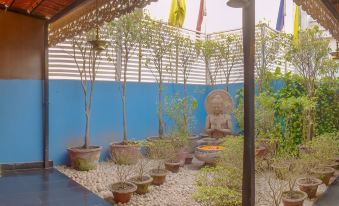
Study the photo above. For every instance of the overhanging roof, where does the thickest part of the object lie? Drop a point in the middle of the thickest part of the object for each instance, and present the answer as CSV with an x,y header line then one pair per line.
x,y
44,9
83,18
68,18
325,12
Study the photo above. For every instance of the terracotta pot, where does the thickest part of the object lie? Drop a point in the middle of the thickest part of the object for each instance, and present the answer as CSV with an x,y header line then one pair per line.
x,y
189,159
142,184
210,157
181,156
172,165
323,173
260,152
122,192
303,149
309,185
280,169
84,159
158,175
293,198
269,144
334,165
127,154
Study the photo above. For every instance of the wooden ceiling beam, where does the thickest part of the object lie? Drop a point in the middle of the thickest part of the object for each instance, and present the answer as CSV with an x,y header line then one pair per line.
x,y
66,10
35,5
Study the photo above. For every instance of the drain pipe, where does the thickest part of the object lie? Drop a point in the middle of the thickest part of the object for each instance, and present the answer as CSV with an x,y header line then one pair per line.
x,y
45,89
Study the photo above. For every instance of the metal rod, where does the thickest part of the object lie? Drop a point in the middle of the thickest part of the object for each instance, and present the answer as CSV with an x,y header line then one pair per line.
x,y
45,98
248,193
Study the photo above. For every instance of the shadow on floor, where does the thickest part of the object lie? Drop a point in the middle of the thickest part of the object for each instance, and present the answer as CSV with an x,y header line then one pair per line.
x,y
44,188
331,196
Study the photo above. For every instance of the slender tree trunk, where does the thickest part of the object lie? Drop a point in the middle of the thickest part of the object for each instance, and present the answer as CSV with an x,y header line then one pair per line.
x,y
161,122
88,113
123,98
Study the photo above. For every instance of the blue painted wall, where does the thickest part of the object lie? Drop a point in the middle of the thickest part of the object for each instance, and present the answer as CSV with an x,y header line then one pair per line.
x,y
20,121
21,115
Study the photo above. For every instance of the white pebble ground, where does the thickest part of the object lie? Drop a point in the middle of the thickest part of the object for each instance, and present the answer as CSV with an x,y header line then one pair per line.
x,y
176,191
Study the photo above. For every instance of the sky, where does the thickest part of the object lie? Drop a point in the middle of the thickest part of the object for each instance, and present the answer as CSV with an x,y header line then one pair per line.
x,y
220,17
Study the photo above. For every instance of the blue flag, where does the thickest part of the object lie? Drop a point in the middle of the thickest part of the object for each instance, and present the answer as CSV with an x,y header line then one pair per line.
x,y
281,16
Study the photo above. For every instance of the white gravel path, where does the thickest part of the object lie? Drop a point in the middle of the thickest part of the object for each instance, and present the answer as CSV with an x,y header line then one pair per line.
x,y
176,191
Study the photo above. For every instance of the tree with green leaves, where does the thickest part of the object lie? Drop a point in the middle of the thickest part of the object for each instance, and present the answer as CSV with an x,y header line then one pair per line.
x,y
87,64
206,49
309,57
267,51
125,35
159,44
229,51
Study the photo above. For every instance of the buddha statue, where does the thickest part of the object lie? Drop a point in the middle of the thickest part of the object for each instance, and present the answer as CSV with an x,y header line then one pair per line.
x,y
218,106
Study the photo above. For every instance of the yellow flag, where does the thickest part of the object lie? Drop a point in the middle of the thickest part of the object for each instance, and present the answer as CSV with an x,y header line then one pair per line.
x,y
177,13
296,25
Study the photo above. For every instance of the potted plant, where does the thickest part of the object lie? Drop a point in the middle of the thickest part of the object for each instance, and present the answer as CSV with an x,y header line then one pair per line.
x,y
85,157
293,197
323,173
125,34
123,190
159,45
158,151
309,185
142,180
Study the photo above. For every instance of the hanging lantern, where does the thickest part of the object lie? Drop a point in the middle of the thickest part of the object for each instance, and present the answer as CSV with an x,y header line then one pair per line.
x,y
238,3
97,44
335,54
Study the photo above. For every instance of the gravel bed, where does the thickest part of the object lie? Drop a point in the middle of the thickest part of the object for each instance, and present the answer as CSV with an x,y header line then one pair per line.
x,y
176,191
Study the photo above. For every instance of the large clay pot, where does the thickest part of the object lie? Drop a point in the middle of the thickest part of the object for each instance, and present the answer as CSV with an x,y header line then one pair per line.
x,y
209,156
172,165
122,191
260,152
159,176
127,154
293,198
142,184
323,173
84,159
334,165
309,185
181,156
269,144
189,159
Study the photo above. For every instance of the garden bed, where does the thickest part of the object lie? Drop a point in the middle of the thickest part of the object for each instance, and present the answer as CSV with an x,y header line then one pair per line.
x,y
176,191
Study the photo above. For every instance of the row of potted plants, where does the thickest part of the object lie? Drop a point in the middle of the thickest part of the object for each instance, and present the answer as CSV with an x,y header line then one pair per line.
x,y
315,166
163,152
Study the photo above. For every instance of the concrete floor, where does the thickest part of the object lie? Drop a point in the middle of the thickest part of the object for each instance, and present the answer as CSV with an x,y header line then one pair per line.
x,y
44,188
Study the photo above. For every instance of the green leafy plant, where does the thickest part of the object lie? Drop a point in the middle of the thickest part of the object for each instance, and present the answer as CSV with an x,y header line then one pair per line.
x,y
222,185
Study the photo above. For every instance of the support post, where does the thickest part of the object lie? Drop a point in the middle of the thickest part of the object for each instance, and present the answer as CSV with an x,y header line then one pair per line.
x,y
45,98
248,194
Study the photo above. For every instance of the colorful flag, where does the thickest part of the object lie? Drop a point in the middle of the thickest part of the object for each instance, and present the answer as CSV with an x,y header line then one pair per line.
x,y
281,16
177,13
296,25
201,15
